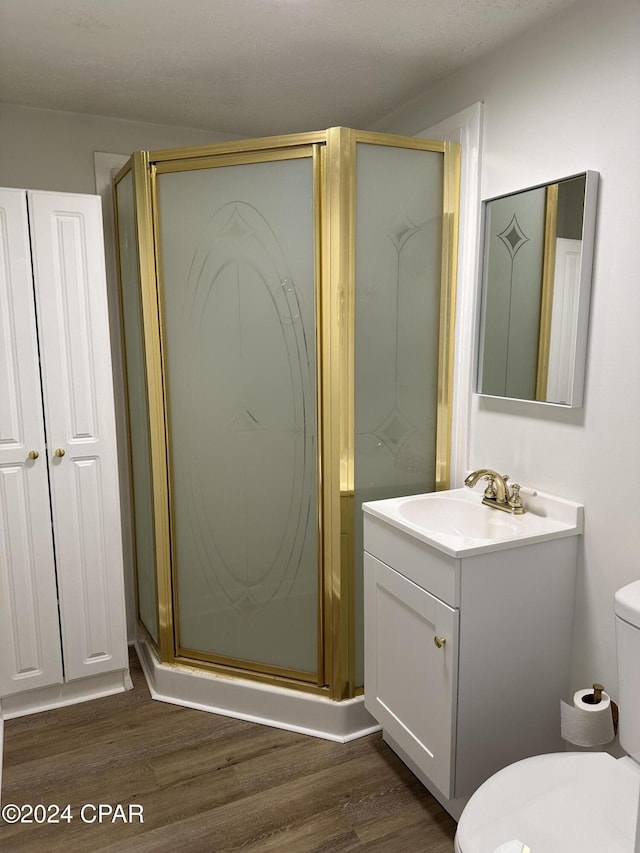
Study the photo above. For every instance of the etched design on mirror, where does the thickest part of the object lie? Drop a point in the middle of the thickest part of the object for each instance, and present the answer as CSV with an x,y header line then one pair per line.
x,y
513,237
512,317
260,421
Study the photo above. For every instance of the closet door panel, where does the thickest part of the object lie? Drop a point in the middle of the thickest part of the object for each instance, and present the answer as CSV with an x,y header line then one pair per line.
x,y
29,628
66,233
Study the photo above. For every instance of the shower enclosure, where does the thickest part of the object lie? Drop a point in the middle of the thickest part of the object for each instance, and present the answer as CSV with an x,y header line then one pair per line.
x,y
288,325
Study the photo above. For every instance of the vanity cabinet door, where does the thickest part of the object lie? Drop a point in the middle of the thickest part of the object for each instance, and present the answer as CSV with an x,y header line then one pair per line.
x,y
411,659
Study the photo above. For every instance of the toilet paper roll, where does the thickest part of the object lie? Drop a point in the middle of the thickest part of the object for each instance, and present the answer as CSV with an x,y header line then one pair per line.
x,y
586,724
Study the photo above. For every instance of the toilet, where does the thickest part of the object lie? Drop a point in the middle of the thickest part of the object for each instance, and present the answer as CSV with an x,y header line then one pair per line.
x,y
570,801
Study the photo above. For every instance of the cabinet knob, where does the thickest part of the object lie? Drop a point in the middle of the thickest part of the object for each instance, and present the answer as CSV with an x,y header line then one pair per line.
x,y
59,452
439,641
33,454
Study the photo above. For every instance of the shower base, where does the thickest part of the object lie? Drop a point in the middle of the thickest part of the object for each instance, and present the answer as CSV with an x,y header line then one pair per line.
x,y
250,700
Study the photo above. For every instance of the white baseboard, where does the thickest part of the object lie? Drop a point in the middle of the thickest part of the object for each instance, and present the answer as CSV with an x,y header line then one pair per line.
x,y
60,695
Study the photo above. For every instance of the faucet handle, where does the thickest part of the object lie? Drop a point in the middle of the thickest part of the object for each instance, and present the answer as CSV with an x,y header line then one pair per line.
x,y
490,490
514,499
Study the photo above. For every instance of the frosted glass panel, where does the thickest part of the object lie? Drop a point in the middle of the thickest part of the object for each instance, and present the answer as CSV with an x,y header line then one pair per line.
x,y
397,313
138,408
237,269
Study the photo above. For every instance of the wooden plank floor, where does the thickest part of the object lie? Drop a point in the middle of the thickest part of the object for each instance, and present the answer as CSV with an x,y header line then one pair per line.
x,y
208,783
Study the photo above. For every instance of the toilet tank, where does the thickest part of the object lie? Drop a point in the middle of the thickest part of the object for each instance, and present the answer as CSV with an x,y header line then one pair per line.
x,y
627,613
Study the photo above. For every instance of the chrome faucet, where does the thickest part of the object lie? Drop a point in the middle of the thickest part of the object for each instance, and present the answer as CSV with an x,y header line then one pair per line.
x,y
497,493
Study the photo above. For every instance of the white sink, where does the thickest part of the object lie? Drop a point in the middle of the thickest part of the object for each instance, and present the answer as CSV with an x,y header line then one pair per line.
x,y
456,517
457,523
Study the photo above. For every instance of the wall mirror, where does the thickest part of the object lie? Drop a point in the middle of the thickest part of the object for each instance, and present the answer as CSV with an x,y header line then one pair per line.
x,y
536,283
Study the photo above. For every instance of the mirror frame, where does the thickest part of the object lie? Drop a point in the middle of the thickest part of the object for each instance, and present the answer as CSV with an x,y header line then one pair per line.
x,y
579,354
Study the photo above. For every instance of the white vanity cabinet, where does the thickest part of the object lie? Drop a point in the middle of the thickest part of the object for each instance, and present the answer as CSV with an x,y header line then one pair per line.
x,y
466,657
62,613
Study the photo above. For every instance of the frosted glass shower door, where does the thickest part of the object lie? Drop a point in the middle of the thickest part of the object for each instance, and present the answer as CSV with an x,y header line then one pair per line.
x,y
237,273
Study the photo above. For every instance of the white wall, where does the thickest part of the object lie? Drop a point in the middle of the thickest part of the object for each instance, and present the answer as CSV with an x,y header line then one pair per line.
x,y
563,98
50,150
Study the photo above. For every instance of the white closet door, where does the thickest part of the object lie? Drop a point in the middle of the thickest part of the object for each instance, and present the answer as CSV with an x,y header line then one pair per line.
x,y
71,303
29,629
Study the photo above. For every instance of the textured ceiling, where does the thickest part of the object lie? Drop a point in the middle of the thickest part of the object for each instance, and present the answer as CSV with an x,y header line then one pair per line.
x,y
245,67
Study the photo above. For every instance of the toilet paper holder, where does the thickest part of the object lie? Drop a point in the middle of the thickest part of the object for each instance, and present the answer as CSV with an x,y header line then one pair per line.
x,y
596,697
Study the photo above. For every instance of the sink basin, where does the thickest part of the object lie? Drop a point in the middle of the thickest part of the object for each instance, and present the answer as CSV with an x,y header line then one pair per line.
x,y
457,523
456,517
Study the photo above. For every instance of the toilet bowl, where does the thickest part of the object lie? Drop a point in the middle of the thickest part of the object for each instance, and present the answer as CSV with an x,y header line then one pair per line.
x,y
571,801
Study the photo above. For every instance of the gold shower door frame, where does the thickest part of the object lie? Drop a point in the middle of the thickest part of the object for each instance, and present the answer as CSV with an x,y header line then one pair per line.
x,y
333,154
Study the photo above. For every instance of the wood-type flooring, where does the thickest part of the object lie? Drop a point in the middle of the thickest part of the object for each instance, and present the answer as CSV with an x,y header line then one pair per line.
x,y
205,784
